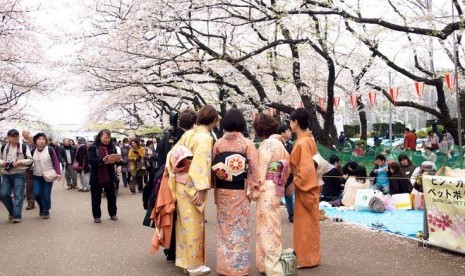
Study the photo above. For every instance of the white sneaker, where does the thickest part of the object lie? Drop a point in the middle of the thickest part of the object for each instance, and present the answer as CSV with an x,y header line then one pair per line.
x,y
201,270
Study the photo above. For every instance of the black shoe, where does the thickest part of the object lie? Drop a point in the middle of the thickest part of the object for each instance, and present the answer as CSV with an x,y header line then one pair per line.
x,y
30,207
291,220
41,214
46,215
114,217
97,220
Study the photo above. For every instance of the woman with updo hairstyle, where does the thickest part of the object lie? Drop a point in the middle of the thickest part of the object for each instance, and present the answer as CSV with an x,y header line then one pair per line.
x,y
307,192
273,162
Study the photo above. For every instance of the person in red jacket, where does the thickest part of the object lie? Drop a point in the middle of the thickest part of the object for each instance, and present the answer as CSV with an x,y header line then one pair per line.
x,y
410,140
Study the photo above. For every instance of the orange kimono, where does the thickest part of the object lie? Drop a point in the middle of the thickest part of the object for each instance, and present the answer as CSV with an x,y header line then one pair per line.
x,y
306,205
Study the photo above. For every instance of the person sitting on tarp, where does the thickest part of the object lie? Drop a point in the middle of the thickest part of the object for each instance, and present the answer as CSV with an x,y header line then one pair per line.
x,y
406,165
355,182
349,168
381,174
398,183
333,181
426,168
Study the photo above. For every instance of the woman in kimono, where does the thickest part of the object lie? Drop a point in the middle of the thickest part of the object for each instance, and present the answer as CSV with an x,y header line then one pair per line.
x,y
234,167
307,193
273,161
190,193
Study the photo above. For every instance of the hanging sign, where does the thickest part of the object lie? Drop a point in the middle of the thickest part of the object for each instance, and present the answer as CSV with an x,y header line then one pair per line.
x,y
420,88
353,100
394,93
372,98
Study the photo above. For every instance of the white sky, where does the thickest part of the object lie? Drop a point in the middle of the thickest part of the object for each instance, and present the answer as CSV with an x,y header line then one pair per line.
x,y
66,104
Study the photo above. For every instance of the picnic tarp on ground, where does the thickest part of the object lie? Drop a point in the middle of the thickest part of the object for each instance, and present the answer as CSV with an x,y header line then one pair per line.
x,y
402,222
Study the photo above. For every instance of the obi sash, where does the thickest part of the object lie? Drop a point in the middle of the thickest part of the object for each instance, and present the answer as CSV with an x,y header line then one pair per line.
x,y
181,161
277,172
230,170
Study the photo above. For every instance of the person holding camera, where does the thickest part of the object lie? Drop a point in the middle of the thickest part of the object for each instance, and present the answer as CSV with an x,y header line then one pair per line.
x,y
15,159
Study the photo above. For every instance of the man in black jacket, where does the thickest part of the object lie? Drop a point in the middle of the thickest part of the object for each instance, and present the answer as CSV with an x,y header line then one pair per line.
x,y
68,153
334,181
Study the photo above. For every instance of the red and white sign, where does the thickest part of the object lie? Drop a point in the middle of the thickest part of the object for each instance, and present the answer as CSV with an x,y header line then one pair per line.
x,y
420,88
450,81
372,98
353,100
394,93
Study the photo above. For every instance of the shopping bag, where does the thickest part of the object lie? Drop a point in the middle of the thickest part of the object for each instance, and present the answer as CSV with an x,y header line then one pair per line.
x,y
282,263
362,199
402,201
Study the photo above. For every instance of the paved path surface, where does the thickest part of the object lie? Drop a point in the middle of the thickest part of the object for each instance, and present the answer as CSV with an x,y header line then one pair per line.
x,y
70,243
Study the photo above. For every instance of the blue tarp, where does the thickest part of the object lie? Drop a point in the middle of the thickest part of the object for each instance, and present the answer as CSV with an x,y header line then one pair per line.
x,y
402,222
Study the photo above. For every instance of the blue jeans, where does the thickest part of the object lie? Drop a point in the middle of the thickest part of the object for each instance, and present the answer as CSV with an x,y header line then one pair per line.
x,y
13,183
290,205
42,192
384,189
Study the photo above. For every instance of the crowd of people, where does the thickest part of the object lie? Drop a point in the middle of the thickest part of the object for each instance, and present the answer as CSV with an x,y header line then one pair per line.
x,y
239,173
194,161
388,176
188,161
30,165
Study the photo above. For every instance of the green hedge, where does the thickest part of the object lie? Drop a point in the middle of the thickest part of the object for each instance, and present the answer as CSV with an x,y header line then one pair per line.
x,y
351,130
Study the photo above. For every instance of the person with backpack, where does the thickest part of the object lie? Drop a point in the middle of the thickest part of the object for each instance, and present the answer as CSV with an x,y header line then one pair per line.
x,y
45,159
15,159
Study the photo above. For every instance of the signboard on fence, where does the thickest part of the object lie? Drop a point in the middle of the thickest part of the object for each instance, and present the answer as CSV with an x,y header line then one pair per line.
x,y
445,206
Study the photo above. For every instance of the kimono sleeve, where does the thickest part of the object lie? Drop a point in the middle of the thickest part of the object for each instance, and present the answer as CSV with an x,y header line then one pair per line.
x,y
252,170
265,155
200,169
303,168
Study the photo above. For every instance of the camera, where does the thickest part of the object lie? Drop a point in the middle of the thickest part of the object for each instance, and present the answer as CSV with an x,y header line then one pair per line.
x,y
8,165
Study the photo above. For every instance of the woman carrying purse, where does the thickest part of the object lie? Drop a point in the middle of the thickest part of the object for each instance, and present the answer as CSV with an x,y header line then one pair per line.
x,y
46,164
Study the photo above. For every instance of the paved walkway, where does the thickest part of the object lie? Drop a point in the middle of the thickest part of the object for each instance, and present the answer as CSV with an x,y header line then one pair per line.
x,y
70,243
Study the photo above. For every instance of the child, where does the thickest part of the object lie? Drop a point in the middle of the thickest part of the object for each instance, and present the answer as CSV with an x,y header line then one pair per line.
x,y
381,173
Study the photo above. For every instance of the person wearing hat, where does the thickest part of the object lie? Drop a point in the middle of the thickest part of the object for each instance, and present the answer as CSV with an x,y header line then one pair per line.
x,y
15,158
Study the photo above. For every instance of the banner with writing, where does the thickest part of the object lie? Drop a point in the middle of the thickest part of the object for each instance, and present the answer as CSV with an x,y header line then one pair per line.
x,y
445,206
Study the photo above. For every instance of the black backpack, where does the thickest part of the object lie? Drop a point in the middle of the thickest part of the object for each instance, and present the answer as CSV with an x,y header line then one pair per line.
x,y
23,148
49,152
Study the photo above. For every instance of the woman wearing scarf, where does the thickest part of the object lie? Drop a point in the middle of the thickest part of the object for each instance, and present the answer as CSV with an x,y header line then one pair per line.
x,y
235,162
102,176
137,165
307,192
273,161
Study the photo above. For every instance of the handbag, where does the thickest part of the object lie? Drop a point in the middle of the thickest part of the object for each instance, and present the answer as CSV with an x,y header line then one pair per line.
x,y
147,220
76,166
281,263
50,175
